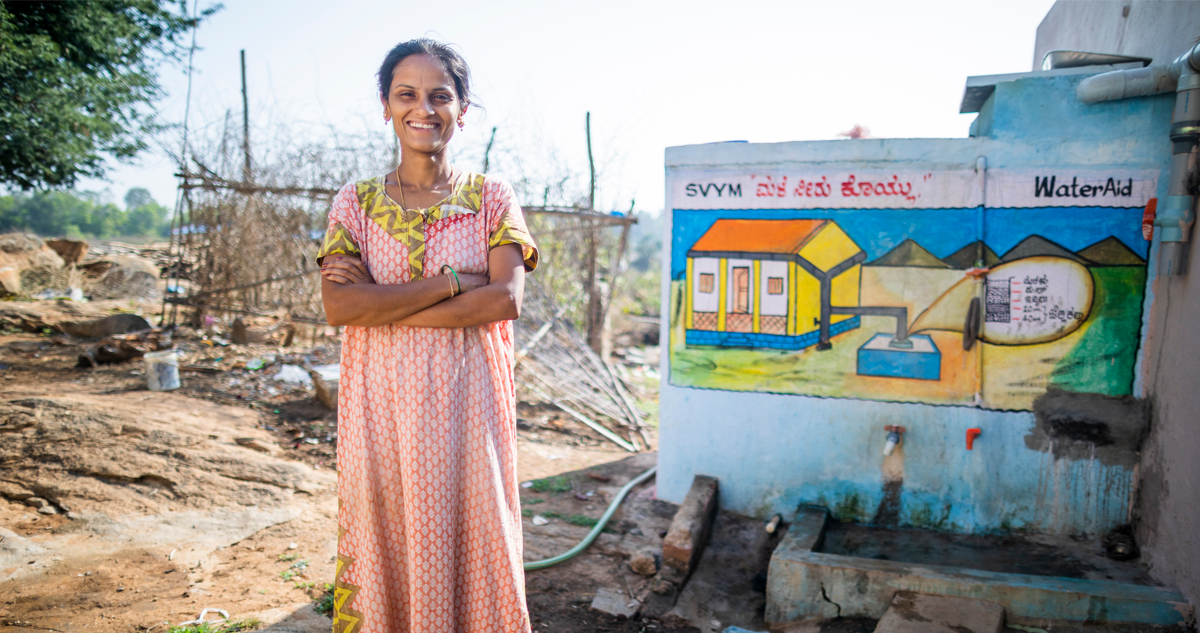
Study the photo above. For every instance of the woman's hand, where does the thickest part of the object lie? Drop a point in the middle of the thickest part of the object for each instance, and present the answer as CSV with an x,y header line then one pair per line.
x,y
345,269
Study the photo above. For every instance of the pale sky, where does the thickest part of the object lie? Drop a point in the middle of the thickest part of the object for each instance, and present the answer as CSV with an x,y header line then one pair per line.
x,y
653,74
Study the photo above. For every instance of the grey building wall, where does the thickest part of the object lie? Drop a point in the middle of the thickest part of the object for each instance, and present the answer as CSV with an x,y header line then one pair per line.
x,y
1160,29
1168,500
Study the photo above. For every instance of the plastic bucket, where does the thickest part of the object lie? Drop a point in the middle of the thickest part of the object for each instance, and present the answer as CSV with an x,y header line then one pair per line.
x,y
162,370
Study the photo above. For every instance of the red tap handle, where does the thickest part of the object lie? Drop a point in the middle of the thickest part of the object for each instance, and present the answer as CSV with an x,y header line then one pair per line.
x,y
971,435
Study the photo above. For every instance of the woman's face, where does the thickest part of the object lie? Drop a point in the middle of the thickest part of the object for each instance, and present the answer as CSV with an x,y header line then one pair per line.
x,y
422,104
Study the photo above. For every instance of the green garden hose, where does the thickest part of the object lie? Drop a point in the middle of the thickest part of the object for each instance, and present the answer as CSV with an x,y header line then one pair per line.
x,y
587,540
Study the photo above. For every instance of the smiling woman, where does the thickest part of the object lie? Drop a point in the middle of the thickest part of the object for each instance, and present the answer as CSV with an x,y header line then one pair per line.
x,y
425,266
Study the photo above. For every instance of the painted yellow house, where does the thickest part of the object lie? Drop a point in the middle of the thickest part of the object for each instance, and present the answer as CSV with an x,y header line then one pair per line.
x,y
771,283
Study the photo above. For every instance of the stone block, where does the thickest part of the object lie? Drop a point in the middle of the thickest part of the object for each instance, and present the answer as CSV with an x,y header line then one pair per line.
x,y
327,390
10,280
644,562
615,602
692,525
925,613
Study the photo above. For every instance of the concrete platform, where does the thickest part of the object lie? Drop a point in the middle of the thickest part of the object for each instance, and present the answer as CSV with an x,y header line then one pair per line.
x,y
804,583
924,613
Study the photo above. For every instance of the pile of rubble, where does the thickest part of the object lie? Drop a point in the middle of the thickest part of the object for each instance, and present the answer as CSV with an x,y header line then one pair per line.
x,y
555,365
52,268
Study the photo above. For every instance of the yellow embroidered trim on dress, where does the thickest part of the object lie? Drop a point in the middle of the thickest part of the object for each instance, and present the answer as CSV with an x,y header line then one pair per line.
x,y
337,242
509,233
408,225
345,619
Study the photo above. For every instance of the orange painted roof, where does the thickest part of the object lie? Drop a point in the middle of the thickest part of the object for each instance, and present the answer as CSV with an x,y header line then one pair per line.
x,y
759,236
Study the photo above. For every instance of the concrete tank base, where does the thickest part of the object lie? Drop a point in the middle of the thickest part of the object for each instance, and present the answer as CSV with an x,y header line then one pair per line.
x,y
804,583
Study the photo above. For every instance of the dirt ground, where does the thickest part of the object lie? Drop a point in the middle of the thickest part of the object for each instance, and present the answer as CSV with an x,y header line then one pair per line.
x,y
222,494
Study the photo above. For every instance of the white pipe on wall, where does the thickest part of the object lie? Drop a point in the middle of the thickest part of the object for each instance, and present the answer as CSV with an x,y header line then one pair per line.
x,y
1138,82
1122,84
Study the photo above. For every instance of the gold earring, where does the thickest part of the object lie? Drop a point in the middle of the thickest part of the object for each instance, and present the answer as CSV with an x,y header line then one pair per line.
x,y
460,123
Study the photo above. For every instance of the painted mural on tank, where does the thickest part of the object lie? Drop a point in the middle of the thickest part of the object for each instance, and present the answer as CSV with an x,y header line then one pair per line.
x,y
952,288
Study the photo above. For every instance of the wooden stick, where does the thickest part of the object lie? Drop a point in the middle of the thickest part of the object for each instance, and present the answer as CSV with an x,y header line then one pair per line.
x,y
616,439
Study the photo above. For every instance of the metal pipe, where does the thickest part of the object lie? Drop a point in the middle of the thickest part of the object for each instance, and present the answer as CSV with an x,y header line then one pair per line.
x,y
1122,84
1175,215
1138,82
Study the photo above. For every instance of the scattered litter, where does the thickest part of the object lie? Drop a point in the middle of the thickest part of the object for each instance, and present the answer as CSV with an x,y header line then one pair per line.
x,y
599,477
255,364
540,520
294,374
120,348
49,294
527,484
311,440
292,545
200,620
162,371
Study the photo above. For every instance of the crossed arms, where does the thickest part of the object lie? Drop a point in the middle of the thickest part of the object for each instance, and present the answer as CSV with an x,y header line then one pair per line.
x,y
351,296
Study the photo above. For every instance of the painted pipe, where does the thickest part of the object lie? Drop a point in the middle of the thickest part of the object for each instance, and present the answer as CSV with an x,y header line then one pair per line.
x,y
971,435
599,527
1138,82
1175,215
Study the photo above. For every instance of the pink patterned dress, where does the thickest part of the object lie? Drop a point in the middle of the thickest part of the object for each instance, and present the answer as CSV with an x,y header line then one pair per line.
x,y
429,517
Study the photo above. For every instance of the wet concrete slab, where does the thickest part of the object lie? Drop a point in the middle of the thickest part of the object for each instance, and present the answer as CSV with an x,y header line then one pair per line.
x,y
807,582
1010,554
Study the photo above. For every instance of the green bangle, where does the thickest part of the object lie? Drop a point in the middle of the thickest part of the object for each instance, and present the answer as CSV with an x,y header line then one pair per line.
x,y
457,283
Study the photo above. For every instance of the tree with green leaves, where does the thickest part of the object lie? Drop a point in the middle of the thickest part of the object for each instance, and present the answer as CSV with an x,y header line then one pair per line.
x,y
77,78
85,214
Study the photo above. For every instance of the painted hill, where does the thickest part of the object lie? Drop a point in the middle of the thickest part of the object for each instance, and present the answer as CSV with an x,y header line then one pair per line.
x,y
1112,252
964,257
1036,245
909,253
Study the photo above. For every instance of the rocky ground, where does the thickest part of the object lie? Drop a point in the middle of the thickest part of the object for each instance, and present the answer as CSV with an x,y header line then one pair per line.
x,y
124,509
